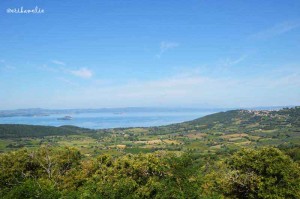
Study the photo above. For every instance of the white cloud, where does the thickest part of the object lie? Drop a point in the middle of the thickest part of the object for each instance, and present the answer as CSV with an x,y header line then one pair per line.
x,y
45,67
276,30
5,66
232,62
165,46
82,72
57,62
8,67
67,81
193,90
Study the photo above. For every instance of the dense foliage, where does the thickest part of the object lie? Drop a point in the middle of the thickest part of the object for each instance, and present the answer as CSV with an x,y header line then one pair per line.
x,y
264,173
65,173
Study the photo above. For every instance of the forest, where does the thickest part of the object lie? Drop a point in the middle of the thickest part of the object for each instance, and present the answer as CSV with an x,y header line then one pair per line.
x,y
64,173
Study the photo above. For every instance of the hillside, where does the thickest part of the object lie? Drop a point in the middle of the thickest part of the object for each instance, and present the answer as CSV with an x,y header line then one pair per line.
x,y
284,124
224,131
22,131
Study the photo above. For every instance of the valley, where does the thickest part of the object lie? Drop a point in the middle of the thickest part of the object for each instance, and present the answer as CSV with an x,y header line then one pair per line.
x,y
215,133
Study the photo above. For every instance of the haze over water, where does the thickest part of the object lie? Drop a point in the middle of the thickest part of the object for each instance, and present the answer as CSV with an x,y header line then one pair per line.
x,y
109,119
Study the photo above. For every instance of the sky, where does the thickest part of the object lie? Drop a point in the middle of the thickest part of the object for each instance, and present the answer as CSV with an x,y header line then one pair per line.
x,y
149,53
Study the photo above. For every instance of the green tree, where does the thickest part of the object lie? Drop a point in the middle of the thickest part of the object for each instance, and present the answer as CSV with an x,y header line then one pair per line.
x,y
263,173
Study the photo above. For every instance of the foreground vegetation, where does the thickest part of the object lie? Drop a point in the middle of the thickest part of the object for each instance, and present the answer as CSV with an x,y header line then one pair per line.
x,y
65,173
233,154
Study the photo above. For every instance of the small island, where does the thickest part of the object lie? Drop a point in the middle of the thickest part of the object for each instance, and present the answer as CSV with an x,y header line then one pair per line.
x,y
65,118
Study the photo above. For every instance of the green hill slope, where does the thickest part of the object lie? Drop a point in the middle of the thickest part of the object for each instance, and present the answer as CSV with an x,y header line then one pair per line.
x,y
21,131
243,121
222,131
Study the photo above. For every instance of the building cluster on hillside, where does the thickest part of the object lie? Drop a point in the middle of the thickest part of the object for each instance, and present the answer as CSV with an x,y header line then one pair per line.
x,y
268,113
257,113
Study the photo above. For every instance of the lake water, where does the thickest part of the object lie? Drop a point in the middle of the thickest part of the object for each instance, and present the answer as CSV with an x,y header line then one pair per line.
x,y
109,120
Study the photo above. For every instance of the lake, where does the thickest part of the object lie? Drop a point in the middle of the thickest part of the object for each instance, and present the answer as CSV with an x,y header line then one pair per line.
x,y
109,120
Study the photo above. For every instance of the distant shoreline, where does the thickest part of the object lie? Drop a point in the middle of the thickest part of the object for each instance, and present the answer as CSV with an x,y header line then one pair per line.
x,y
38,112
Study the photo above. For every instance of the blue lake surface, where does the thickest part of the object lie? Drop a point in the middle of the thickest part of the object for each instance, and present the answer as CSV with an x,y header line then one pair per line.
x,y
109,120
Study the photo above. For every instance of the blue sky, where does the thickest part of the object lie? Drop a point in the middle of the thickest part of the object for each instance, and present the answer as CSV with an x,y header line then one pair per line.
x,y
184,53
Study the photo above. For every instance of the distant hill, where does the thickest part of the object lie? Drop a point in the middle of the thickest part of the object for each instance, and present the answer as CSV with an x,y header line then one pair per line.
x,y
242,119
21,131
279,125
287,119
235,127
